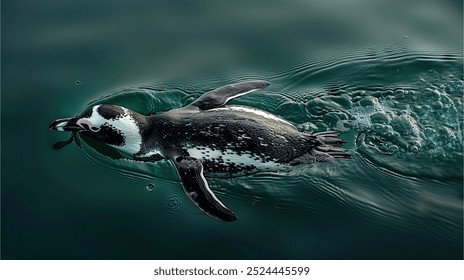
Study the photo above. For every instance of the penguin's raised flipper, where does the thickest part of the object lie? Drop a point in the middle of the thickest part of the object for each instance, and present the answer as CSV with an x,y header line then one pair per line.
x,y
220,96
196,187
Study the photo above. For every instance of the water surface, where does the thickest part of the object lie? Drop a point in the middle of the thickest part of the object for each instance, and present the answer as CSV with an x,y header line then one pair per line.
x,y
388,74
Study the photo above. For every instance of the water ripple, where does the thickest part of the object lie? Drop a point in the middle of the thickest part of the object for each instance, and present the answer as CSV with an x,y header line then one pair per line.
x,y
173,203
402,116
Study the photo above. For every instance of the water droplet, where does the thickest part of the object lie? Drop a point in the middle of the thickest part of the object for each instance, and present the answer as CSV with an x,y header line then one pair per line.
x,y
150,187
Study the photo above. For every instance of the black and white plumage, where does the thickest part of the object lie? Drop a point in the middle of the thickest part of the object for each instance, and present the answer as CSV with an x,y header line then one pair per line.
x,y
207,137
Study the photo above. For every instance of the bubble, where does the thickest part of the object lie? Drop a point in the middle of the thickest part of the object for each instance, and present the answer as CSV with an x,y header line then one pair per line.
x,y
330,118
431,145
446,132
370,140
437,105
429,131
393,148
418,109
150,187
367,101
394,103
390,133
317,106
432,94
344,102
399,93
414,149
441,156
447,101
405,125
450,90
78,82
383,147
378,128
380,118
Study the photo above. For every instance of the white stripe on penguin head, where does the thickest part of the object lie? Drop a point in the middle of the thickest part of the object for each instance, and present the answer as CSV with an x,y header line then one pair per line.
x,y
125,124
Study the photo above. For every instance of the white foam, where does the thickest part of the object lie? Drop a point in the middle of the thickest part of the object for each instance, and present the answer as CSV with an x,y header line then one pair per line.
x,y
151,153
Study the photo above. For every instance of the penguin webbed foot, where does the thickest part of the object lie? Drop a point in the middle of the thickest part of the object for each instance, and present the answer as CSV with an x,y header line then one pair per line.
x,y
61,144
76,139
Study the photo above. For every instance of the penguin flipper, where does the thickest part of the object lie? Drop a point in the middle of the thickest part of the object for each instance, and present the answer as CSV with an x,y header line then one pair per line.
x,y
220,96
196,187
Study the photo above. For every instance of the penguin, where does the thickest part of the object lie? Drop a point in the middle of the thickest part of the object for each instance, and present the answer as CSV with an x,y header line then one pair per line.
x,y
207,137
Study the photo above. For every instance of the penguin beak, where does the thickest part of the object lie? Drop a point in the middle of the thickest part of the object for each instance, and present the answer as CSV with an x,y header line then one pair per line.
x,y
67,124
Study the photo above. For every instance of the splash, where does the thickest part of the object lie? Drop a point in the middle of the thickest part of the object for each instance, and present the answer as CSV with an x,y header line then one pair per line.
x,y
426,123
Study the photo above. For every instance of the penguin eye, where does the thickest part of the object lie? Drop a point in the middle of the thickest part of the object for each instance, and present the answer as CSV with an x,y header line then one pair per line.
x,y
95,128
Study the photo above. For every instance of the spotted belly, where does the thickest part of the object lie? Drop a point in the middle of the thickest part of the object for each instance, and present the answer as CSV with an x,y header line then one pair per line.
x,y
231,161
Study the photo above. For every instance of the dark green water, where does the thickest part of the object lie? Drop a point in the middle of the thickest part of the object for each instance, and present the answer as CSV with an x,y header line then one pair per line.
x,y
387,73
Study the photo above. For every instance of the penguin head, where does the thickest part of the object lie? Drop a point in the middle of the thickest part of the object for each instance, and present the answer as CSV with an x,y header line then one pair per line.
x,y
113,125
